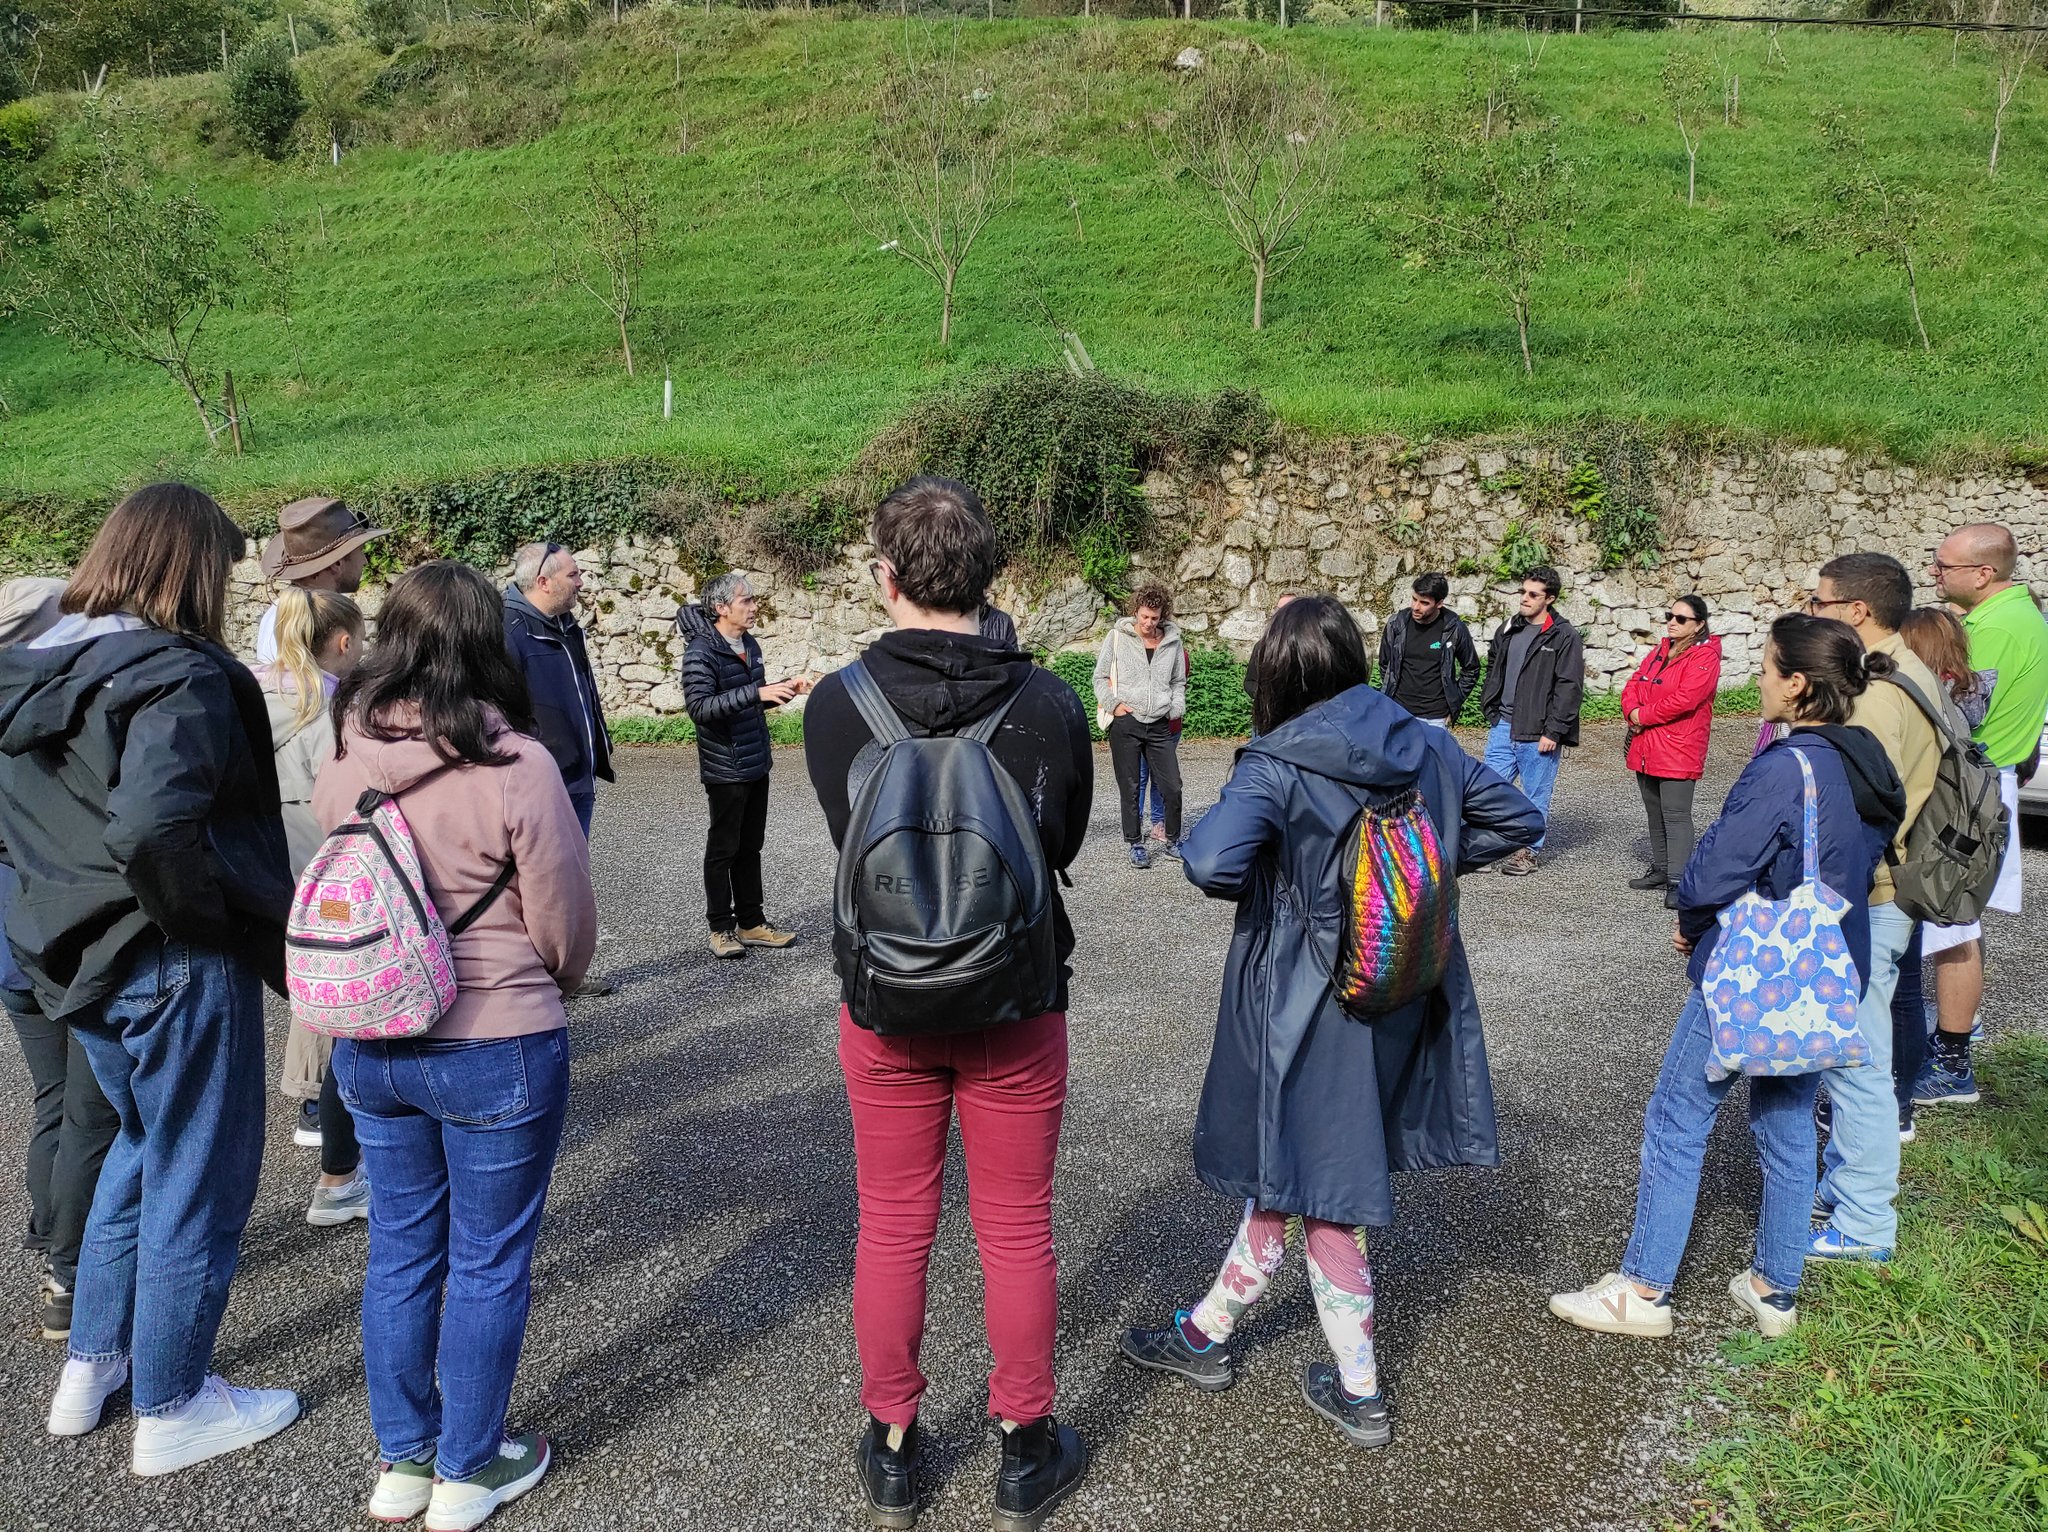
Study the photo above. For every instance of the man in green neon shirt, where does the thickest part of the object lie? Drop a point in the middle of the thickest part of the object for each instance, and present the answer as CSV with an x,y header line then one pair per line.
x,y
1973,570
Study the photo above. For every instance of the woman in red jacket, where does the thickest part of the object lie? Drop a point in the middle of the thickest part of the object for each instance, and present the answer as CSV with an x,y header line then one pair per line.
x,y
1669,705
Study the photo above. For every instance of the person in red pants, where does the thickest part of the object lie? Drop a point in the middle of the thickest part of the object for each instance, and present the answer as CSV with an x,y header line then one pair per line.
x,y
936,556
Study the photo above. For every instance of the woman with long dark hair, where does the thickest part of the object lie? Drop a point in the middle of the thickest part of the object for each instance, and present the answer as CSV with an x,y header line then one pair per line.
x,y
1306,1109
1825,781
461,1125
1669,706
139,805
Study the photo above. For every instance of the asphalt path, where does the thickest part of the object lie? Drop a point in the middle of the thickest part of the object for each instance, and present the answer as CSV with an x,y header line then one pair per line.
x,y
691,1353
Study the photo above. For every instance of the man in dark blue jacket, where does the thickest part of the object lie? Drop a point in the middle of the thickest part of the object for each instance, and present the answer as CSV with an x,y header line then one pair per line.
x,y
727,692
547,642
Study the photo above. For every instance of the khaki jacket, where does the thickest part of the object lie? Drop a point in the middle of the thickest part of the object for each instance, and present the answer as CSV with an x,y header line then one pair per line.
x,y
1908,739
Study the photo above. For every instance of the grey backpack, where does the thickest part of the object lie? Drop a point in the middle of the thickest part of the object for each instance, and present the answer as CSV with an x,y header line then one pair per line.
x,y
1955,848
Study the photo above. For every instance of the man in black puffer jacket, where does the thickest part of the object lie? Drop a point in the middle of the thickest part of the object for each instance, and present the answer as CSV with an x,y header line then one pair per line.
x,y
727,693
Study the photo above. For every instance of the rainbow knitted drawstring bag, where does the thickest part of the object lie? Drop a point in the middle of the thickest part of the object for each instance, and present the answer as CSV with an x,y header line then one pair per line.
x,y
1401,909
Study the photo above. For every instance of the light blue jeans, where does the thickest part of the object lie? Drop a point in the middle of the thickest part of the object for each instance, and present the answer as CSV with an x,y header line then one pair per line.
x,y
1675,1127
1861,1179
1528,768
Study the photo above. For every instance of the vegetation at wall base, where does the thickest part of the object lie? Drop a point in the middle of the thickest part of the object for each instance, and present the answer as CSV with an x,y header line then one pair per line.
x,y
434,346
1913,1397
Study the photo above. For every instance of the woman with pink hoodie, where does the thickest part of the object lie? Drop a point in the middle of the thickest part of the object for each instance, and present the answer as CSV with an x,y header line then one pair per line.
x,y
460,1126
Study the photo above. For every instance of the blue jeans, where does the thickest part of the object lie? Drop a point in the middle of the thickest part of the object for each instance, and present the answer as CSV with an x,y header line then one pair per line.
x,y
459,1140
1861,1176
1675,1127
178,1049
585,805
1524,765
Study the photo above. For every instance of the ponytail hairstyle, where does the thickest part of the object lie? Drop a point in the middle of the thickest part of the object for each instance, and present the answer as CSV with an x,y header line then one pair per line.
x,y
307,621
1831,657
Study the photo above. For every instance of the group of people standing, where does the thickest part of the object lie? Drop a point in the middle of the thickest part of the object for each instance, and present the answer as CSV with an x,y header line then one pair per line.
x,y
157,799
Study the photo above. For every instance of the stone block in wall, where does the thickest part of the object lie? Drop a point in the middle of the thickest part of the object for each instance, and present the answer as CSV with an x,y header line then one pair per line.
x,y
1237,570
1198,561
1339,564
1242,626
1287,566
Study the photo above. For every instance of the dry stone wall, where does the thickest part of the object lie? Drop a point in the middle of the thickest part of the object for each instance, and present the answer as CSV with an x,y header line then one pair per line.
x,y
1360,520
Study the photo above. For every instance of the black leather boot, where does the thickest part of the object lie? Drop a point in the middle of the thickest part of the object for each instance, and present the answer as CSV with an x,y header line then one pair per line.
x,y
889,1476
1042,1461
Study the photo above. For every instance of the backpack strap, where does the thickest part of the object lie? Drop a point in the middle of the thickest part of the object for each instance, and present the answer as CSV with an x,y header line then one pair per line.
x,y
883,721
469,916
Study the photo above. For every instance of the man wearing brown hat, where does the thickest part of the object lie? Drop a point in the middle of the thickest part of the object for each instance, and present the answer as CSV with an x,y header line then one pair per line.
x,y
319,546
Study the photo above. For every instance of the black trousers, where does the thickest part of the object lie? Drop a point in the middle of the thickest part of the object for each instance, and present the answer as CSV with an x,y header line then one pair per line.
x,y
1668,802
1909,1021
1154,743
340,1154
72,1128
732,854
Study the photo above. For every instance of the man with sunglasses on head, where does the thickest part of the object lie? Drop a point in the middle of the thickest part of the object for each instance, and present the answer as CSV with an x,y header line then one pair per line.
x,y
547,643
1973,570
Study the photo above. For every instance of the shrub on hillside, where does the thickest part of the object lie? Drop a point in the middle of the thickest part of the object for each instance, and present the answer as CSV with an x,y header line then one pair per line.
x,y
387,25
1058,457
264,99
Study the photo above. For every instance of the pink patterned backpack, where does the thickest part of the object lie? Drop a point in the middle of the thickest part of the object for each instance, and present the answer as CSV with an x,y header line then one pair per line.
x,y
366,955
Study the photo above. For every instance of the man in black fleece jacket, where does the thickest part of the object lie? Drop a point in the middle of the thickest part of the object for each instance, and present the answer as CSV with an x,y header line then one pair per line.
x,y
936,555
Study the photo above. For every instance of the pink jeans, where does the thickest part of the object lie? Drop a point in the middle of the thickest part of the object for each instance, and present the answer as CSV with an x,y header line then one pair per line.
x,y
1010,1084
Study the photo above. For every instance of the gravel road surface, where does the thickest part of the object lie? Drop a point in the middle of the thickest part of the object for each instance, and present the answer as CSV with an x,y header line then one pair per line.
x,y
691,1352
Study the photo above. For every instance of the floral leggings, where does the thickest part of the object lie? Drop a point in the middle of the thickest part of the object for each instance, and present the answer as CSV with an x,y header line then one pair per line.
x,y
1339,1275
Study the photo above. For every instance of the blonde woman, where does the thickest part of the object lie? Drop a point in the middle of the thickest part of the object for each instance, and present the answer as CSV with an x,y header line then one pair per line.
x,y
319,640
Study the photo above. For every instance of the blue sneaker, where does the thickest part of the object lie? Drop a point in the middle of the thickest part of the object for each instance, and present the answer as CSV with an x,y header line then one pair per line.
x,y
1139,859
1829,1243
1174,849
1940,1085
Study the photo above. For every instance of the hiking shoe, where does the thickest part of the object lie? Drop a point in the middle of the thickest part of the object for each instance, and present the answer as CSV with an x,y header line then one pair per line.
x,y
591,987
333,1206
765,936
1139,859
1775,1313
1939,1085
306,1127
1652,877
1365,1421
459,1504
1042,1462
727,944
1518,864
1671,897
404,1489
53,1314
1829,1243
1169,1350
888,1475
1176,849
82,1392
1614,1307
219,1418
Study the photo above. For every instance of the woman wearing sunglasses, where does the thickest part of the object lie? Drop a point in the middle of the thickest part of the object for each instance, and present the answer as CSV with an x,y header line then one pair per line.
x,y
1669,705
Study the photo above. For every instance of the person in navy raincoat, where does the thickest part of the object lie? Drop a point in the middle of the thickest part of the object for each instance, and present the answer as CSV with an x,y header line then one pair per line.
x,y
1305,1109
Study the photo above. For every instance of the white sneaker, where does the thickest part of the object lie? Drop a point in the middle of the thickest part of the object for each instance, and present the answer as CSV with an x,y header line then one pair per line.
x,y
1770,1317
461,1504
219,1418
1613,1306
403,1490
82,1392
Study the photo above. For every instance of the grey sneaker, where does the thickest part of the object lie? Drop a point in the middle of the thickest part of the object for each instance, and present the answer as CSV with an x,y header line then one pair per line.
x,y
1364,1421
1167,1350
336,1205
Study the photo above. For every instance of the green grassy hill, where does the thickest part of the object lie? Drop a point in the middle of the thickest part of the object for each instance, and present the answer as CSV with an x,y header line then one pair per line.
x,y
433,344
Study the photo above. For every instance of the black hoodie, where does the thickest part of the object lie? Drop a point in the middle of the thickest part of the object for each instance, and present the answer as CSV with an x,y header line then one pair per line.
x,y
941,682
138,802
